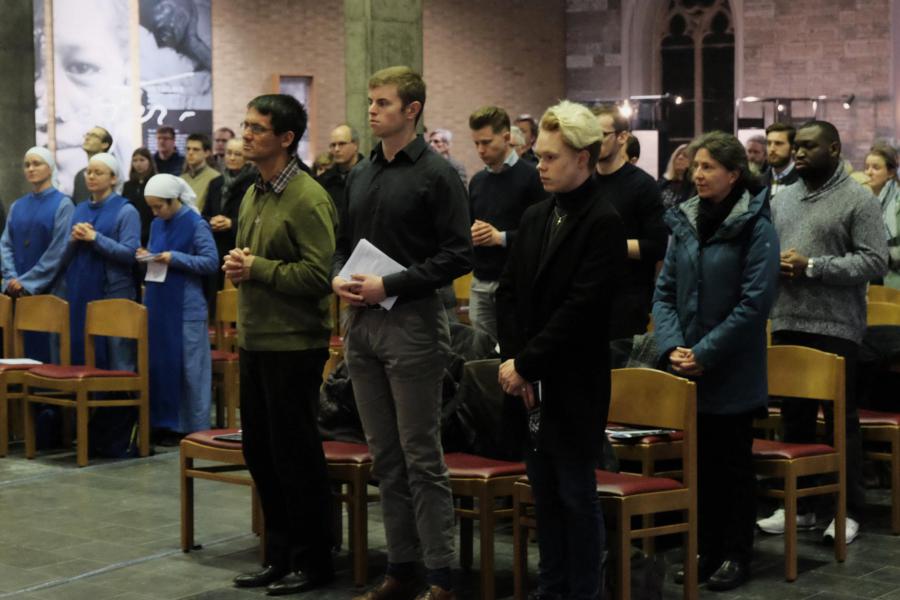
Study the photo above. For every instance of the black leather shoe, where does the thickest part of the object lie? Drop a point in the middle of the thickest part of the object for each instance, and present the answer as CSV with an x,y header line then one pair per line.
x,y
260,578
730,575
295,583
706,566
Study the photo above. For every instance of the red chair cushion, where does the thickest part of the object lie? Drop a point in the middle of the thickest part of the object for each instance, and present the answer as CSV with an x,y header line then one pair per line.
x,y
336,342
222,356
206,438
77,372
17,367
876,417
472,466
346,452
782,450
624,484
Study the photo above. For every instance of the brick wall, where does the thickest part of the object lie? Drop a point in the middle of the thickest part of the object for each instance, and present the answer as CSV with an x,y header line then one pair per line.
x,y
254,41
505,52
832,47
594,49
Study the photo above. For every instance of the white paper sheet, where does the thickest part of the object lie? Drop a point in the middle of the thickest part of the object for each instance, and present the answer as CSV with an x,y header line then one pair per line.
x,y
367,259
19,361
156,271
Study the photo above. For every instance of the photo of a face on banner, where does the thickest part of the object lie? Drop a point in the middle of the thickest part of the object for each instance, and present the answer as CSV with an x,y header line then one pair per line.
x,y
92,83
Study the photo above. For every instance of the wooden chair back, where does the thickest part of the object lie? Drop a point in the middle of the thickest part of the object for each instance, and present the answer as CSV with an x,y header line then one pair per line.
x,y
462,286
882,313
226,319
45,314
228,285
651,398
881,293
117,317
6,324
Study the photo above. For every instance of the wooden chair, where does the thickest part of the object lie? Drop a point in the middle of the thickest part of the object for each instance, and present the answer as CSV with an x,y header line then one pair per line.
x,y
350,469
882,313
226,370
799,372
883,429
880,293
475,478
77,386
228,467
462,287
646,398
45,314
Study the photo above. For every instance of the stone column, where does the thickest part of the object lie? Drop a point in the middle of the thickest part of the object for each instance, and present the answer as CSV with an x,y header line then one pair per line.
x,y
16,95
378,34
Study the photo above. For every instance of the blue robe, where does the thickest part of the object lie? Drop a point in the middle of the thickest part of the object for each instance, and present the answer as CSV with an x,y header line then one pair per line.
x,y
32,248
102,269
179,368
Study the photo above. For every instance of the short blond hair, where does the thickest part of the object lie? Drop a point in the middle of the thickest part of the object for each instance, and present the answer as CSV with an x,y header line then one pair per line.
x,y
579,127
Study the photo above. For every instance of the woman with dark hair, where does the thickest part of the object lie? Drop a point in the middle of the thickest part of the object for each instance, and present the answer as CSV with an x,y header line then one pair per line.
x,y
142,169
881,169
712,299
671,183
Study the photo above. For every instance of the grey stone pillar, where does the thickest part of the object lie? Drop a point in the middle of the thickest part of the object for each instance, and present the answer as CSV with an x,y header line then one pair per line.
x,y
16,95
378,34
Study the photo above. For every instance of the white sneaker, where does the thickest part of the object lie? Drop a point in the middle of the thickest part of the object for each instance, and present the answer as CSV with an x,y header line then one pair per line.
x,y
775,523
852,529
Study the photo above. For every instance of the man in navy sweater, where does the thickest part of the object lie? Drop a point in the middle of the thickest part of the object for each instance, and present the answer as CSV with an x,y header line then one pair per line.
x,y
498,195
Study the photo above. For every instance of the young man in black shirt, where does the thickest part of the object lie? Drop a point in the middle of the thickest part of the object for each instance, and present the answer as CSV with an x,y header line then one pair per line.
x,y
498,195
410,203
636,197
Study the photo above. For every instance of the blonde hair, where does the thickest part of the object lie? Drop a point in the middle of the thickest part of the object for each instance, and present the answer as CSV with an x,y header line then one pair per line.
x,y
670,167
579,127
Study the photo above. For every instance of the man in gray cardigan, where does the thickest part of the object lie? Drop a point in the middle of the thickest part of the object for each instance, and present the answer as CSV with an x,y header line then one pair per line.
x,y
832,243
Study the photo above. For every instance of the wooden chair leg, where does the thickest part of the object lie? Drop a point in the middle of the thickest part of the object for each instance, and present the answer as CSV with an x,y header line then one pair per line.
x,y
895,482
82,413
520,550
623,553
690,560
840,521
4,421
486,536
359,532
465,534
187,504
30,442
790,527
144,425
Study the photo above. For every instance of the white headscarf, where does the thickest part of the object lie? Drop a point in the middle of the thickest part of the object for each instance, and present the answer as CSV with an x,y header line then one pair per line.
x,y
47,157
109,160
168,187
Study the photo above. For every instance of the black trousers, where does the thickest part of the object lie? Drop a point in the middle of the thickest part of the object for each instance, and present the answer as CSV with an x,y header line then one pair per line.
x,y
799,416
726,486
283,450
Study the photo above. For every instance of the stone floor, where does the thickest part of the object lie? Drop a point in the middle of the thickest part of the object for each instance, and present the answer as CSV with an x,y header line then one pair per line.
x,y
111,531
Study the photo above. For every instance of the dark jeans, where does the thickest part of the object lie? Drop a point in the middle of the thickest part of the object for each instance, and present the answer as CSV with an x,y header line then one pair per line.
x,y
726,487
283,450
570,530
876,386
799,416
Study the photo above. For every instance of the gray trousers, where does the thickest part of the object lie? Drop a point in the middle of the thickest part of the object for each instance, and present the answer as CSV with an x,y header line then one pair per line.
x,y
396,363
483,306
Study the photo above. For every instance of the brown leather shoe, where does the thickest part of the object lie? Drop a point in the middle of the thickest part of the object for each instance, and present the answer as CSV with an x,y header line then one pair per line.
x,y
436,592
391,589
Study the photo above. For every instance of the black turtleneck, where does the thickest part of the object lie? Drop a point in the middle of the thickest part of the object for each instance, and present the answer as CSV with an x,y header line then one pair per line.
x,y
711,214
568,205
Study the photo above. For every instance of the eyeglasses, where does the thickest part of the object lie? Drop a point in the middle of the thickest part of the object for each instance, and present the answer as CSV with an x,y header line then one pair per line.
x,y
255,128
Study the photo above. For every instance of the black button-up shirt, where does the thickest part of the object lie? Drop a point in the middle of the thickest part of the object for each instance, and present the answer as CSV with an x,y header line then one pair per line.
x,y
414,209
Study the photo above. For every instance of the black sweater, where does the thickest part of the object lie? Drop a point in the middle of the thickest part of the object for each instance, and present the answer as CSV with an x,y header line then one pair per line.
x,y
500,199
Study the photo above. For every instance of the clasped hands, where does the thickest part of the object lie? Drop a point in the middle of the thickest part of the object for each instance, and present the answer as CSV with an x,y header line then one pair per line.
x,y
220,223
83,232
361,290
684,362
485,234
516,385
793,264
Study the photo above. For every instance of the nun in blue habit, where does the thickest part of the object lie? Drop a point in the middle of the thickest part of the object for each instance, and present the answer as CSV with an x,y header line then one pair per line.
x,y
105,233
182,243
34,242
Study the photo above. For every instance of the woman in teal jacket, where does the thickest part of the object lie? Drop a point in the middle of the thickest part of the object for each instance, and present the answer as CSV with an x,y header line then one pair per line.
x,y
712,300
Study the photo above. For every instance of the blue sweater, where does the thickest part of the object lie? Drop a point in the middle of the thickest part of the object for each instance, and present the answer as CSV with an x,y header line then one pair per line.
x,y
715,298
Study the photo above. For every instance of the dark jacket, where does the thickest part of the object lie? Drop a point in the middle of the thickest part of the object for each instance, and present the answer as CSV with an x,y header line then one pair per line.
x,y
334,180
134,191
227,202
553,309
715,298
